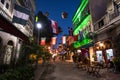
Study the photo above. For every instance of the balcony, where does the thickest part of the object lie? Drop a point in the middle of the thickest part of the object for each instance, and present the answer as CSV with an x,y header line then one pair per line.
x,y
114,15
107,22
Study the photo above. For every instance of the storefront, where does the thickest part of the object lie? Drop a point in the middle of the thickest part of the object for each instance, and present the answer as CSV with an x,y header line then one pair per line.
x,y
104,50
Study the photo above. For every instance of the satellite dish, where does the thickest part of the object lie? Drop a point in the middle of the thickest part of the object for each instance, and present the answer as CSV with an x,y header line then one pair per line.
x,y
64,15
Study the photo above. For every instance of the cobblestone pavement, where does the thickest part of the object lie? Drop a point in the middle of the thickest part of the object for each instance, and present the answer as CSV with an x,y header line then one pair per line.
x,y
67,71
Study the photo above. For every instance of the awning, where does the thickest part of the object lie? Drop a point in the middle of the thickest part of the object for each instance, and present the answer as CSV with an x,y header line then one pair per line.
x,y
8,27
88,45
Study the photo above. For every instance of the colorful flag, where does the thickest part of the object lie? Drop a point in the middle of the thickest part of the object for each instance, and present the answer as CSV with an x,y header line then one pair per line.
x,y
43,41
63,39
54,26
75,37
54,40
70,40
20,15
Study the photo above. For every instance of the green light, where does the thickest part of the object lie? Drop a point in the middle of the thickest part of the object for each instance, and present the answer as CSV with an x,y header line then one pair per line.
x,y
80,13
82,43
81,5
82,25
80,10
36,18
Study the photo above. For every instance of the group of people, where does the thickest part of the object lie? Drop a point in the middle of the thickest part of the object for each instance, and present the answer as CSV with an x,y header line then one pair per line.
x,y
79,57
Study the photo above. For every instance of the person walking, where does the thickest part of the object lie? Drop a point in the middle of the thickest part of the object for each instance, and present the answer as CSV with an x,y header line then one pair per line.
x,y
74,57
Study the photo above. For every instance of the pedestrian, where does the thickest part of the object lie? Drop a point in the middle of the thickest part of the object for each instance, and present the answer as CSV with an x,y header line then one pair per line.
x,y
74,57
111,61
54,57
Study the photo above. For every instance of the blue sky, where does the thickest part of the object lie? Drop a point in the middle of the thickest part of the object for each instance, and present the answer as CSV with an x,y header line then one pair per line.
x,y
55,8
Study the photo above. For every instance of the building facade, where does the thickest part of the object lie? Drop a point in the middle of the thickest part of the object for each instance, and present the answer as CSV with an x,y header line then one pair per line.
x,y
12,35
108,32
83,27
103,34
82,24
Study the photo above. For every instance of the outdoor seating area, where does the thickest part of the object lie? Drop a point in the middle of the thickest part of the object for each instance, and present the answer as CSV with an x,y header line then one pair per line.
x,y
96,68
92,69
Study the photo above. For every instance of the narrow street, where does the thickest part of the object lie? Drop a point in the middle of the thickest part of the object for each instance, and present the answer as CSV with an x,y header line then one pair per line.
x,y
66,71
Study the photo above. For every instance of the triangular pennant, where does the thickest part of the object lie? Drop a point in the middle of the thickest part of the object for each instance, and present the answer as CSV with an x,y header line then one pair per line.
x,y
63,39
54,26
43,41
54,40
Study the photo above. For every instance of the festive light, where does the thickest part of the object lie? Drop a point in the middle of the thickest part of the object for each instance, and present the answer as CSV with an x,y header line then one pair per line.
x,y
82,25
82,43
80,9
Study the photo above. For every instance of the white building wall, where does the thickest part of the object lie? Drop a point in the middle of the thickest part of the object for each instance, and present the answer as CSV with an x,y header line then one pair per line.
x,y
27,30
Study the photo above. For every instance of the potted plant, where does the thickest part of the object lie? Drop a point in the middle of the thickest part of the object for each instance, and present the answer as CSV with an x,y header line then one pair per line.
x,y
117,63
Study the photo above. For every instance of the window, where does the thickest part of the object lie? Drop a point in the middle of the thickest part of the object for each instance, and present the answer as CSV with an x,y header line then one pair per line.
x,y
2,1
101,23
7,5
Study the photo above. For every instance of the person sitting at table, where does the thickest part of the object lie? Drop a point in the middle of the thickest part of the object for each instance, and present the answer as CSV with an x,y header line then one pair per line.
x,y
101,63
110,62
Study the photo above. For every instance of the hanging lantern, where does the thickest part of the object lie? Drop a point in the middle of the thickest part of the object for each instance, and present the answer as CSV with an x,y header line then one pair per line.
x,y
64,15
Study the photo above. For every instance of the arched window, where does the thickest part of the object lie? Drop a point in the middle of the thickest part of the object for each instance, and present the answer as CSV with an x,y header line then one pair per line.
x,y
2,1
8,53
7,5
10,43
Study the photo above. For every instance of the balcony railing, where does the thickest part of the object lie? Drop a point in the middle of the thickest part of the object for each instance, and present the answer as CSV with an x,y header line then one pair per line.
x,y
107,18
114,15
100,23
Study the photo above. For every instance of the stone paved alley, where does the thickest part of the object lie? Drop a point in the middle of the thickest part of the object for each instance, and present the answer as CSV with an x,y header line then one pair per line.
x,y
66,71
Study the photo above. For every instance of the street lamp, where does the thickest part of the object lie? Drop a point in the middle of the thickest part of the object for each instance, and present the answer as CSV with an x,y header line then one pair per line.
x,y
39,26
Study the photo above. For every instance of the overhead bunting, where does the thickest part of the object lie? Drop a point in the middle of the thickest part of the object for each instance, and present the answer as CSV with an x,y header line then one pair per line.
x,y
20,15
53,40
70,40
54,26
75,37
63,39
43,41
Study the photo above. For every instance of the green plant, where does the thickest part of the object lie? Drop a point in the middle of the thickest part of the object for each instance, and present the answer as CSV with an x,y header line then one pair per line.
x,y
95,57
117,60
117,63
21,73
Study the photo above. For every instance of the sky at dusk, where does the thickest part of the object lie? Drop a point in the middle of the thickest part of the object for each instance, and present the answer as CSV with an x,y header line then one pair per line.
x,y
55,8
